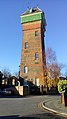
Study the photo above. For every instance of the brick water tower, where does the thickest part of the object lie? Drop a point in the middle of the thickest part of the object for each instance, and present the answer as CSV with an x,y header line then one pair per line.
x,y
33,47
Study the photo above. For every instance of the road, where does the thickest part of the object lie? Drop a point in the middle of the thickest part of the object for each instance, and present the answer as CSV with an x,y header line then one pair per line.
x,y
25,108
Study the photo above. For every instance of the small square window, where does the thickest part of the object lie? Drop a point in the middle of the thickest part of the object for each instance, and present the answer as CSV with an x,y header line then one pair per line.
x,y
26,45
36,33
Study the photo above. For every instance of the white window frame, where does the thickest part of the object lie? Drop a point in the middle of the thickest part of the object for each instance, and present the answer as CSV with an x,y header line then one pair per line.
x,y
36,33
36,56
26,45
25,69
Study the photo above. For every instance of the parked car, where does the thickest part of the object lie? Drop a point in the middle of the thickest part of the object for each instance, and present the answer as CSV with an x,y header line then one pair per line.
x,y
6,92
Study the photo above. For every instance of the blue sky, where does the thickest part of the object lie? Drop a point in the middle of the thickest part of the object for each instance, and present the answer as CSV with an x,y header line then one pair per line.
x,y
11,29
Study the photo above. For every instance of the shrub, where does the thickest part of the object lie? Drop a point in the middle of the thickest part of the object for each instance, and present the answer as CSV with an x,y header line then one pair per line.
x,y
62,85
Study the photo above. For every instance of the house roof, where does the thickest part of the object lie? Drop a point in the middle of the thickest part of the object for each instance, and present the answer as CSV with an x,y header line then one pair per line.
x,y
32,10
62,78
1,73
12,77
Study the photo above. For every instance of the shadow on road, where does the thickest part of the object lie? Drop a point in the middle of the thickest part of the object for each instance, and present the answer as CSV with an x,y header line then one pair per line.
x,y
37,116
11,96
19,96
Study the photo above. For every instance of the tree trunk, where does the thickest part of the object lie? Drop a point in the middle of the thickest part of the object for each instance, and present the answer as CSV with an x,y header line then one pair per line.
x,y
62,98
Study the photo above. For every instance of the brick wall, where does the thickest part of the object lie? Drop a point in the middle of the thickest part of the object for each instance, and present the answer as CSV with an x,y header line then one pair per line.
x,y
35,67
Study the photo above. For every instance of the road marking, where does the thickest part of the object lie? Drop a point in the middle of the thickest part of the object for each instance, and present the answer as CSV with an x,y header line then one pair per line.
x,y
53,111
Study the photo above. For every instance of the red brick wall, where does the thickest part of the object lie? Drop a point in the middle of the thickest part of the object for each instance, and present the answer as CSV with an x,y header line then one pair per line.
x,y
35,67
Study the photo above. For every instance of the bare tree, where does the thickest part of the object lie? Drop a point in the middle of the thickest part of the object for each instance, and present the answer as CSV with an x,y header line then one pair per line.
x,y
6,72
16,74
53,69
50,56
65,73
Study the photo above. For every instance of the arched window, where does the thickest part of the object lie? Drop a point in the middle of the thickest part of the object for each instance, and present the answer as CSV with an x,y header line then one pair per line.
x,y
36,56
36,33
26,45
25,69
37,82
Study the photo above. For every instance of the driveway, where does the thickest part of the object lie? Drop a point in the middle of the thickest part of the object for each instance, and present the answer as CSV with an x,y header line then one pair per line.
x,y
26,108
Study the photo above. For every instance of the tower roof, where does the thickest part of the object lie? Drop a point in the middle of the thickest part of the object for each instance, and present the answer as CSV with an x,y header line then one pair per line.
x,y
33,14
32,10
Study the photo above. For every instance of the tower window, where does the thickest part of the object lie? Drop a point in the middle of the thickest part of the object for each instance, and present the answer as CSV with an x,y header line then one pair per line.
x,y
25,69
26,45
37,82
36,56
36,33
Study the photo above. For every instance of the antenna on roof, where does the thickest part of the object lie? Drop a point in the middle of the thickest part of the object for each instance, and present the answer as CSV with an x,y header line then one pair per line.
x,y
28,6
37,5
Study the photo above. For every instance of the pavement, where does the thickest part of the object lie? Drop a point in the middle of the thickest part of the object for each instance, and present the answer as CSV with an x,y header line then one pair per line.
x,y
55,107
